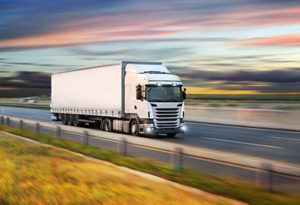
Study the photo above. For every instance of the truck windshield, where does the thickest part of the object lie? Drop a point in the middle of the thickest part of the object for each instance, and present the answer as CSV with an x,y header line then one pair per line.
x,y
164,93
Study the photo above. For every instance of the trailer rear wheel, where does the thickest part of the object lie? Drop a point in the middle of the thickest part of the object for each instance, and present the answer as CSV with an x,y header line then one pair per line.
x,y
76,120
134,128
107,125
70,119
99,124
64,119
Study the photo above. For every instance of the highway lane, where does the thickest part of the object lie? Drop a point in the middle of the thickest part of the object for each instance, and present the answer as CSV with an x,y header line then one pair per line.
x,y
272,144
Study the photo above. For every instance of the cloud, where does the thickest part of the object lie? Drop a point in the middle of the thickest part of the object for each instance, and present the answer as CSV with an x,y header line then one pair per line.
x,y
271,81
82,51
31,24
18,45
25,79
281,40
272,76
31,64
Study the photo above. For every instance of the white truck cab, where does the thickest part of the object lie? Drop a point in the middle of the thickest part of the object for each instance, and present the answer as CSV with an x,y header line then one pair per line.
x,y
156,96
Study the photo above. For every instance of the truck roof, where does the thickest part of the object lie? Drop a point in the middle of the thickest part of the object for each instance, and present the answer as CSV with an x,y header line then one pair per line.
x,y
124,63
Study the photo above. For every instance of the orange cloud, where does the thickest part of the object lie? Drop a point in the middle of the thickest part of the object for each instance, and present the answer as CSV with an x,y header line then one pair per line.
x,y
129,26
281,40
84,36
254,18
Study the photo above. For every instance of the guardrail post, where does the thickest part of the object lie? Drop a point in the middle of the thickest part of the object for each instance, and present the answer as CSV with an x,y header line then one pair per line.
x,y
58,132
122,146
2,120
176,159
7,120
37,127
264,177
85,138
21,124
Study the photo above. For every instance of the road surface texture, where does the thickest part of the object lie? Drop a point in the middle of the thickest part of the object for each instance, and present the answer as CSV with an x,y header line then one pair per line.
x,y
264,143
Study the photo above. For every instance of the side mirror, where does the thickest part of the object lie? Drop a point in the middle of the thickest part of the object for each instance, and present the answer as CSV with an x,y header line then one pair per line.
x,y
139,92
184,93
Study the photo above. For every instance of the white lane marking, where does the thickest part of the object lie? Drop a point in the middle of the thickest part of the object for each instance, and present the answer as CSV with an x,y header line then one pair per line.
x,y
285,138
246,143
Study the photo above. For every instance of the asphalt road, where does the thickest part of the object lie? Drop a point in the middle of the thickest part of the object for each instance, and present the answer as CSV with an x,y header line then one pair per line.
x,y
264,143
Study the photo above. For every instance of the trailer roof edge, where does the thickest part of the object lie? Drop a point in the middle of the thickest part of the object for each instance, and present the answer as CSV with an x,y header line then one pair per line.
x,y
111,64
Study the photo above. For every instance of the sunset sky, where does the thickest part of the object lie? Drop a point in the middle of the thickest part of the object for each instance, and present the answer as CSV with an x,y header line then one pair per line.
x,y
216,46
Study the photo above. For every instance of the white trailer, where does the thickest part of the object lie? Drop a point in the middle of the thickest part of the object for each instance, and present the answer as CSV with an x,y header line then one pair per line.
x,y
130,97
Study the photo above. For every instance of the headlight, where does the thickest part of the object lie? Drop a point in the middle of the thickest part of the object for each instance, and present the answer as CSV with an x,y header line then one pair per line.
x,y
148,130
183,128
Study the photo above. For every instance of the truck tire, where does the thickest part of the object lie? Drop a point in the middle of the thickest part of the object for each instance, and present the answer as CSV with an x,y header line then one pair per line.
x,y
64,119
134,128
171,134
99,124
70,119
76,120
107,125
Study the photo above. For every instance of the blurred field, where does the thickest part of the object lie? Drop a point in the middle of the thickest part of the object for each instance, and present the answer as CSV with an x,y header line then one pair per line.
x,y
23,92
256,97
221,186
270,101
34,174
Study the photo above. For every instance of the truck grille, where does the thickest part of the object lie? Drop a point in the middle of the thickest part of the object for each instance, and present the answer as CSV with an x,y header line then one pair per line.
x,y
165,118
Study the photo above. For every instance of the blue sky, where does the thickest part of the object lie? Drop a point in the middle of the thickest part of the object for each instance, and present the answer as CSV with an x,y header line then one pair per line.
x,y
215,46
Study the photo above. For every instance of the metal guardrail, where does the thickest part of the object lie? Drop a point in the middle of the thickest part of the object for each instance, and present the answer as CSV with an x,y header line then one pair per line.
x,y
264,167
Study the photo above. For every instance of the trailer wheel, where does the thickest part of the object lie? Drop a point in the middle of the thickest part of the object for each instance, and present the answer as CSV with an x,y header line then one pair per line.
x,y
64,119
107,125
99,124
70,119
134,128
76,120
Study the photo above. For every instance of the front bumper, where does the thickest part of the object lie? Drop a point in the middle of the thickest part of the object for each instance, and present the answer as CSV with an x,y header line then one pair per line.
x,y
150,129
165,131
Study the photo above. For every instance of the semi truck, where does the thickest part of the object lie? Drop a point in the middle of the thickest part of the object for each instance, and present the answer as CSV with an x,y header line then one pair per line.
x,y
129,97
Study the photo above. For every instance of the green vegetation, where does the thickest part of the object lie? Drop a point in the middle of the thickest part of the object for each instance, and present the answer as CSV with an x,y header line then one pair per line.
x,y
221,186
35,174
23,92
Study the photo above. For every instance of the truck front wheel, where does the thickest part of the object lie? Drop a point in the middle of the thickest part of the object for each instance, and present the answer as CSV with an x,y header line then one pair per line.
x,y
134,128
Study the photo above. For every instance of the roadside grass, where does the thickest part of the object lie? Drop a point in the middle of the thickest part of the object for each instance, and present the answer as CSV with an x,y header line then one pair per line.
x,y
35,174
222,186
